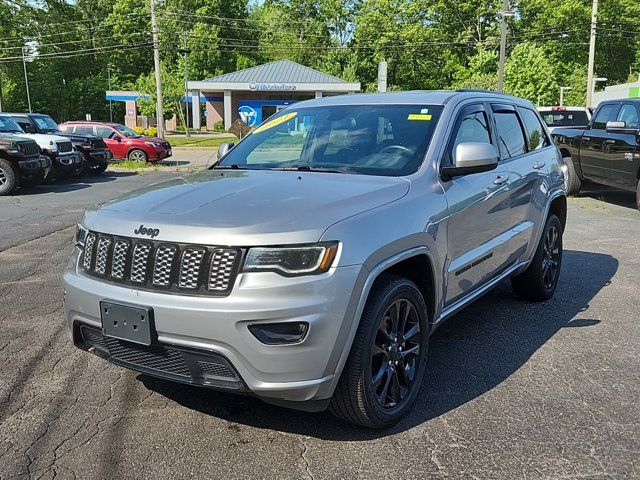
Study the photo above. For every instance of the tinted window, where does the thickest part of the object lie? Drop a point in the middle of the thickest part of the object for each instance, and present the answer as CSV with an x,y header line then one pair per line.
x,y
534,130
604,114
25,124
104,132
509,133
472,127
386,140
8,125
629,115
566,119
84,129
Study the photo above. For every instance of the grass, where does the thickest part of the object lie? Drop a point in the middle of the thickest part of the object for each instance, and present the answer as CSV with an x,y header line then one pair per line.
x,y
198,141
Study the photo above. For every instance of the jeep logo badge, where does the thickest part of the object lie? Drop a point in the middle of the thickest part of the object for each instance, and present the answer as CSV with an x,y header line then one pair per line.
x,y
149,232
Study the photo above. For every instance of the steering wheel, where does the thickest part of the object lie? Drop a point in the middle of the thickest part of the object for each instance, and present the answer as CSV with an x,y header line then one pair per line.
x,y
400,148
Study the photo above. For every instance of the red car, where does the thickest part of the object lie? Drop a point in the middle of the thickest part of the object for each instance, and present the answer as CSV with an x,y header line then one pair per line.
x,y
123,141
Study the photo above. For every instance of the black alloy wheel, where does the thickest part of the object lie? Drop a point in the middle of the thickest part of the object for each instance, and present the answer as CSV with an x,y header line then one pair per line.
x,y
551,257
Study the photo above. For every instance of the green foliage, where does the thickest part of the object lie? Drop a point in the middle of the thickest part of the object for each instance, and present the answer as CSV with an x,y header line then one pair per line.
x,y
530,74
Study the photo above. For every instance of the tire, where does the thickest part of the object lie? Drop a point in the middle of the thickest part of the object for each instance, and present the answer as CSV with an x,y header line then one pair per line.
x,y
98,169
34,181
82,169
539,281
638,195
137,155
8,177
574,184
360,398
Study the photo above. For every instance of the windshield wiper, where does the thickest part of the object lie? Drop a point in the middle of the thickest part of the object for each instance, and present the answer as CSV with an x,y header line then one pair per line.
x,y
233,166
307,168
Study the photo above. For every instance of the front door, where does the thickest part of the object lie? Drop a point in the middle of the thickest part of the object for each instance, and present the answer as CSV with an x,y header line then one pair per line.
x,y
115,142
594,145
620,164
479,209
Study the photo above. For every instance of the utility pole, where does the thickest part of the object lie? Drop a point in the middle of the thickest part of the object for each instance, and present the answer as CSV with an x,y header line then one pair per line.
x,y
26,78
156,65
503,43
562,90
109,86
592,54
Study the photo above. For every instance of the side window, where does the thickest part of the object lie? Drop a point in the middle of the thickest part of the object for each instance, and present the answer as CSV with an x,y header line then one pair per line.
x,y
605,114
471,127
629,115
509,133
25,125
84,130
104,132
536,136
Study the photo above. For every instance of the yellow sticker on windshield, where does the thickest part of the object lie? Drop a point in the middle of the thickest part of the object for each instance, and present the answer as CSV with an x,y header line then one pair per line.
x,y
276,121
419,116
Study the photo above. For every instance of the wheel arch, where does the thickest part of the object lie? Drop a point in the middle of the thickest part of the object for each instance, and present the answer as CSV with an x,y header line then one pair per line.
x,y
131,149
558,207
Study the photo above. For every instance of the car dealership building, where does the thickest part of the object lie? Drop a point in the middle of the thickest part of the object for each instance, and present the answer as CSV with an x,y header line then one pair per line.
x,y
256,93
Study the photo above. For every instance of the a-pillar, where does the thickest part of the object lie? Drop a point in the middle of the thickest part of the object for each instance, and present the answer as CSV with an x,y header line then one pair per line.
x,y
227,110
195,109
318,93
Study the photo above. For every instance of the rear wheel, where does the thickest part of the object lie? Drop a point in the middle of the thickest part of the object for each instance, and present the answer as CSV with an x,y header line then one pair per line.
x,y
574,184
137,155
8,177
386,364
539,281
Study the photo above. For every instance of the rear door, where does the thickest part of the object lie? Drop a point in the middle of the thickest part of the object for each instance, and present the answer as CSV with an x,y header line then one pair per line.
x,y
479,211
622,152
594,146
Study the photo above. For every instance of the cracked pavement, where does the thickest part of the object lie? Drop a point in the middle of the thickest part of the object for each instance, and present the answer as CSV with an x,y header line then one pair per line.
x,y
513,389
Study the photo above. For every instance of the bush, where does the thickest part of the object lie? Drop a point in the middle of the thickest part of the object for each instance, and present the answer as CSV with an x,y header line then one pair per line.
x,y
139,130
219,127
151,132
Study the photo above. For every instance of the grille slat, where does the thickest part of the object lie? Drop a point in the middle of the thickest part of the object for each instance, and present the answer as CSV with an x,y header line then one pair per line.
x,y
153,265
64,147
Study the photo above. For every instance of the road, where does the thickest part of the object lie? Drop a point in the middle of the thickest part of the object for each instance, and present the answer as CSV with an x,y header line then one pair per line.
x,y
513,389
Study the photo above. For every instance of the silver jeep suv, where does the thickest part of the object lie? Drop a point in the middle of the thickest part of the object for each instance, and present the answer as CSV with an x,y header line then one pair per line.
x,y
310,265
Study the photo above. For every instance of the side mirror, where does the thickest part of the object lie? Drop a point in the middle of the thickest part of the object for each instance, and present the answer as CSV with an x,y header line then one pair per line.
x,y
620,127
472,157
224,148
117,138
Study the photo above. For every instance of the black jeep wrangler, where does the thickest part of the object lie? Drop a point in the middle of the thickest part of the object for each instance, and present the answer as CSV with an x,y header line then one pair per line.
x,y
93,148
21,163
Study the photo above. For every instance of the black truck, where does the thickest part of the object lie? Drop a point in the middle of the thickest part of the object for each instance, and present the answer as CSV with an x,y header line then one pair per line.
x,y
93,148
607,151
21,163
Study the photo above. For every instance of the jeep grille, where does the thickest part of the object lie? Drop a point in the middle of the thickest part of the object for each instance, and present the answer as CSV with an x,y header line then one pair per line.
x,y
65,147
29,148
154,265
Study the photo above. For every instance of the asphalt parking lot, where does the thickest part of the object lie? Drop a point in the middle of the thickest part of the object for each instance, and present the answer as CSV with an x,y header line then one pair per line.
x,y
513,389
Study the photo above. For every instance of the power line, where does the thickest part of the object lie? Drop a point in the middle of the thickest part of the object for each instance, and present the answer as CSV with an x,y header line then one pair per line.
x,y
46,45
77,53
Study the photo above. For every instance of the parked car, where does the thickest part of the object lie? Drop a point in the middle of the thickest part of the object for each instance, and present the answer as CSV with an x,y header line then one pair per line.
x,y
310,270
123,141
94,150
65,161
21,163
565,117
607,151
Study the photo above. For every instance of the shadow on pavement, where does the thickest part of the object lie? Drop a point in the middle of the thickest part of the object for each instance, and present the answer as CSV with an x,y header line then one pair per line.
x,y
470,354
72,184
615,196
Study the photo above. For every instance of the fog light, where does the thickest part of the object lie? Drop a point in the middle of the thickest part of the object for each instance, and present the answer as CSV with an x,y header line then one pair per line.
x,y
280,333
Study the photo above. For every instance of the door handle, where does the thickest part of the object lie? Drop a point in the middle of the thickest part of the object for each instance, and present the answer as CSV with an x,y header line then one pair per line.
x,y
586,138
538,165
501,180
610,140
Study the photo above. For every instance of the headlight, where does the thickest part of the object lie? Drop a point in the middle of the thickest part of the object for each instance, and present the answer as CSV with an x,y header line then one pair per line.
x,y
81,235
153,144
10,149
289,261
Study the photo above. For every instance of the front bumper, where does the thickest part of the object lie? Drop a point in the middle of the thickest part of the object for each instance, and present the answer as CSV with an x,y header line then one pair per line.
x,y
67,162
98,157
218,327
33,165
161,155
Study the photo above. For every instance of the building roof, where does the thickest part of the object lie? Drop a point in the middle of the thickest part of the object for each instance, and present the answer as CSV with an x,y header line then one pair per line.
x,y
280,71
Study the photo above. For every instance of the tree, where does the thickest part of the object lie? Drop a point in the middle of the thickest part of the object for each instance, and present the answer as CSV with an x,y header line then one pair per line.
x,y
530,74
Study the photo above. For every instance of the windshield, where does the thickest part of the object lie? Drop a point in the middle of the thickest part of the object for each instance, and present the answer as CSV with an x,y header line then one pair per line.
x,y
565,119
127,132
386,140
45,123
8,125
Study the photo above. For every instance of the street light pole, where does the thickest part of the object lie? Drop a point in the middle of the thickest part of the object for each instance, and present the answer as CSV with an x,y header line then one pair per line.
x,y
156,66
503,43
26,78
592,54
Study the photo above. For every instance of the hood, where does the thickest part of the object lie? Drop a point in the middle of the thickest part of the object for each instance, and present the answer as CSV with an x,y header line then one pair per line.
x,y
12,138
78,136
43,139
245,208
152,139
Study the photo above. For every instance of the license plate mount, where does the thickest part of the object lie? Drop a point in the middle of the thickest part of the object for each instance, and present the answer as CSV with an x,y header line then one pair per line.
x,y
127,322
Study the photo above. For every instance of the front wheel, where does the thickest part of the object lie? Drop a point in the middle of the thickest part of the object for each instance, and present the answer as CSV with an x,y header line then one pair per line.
x,y
638,195
388,357
8,177
98,169
137,155
539,281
